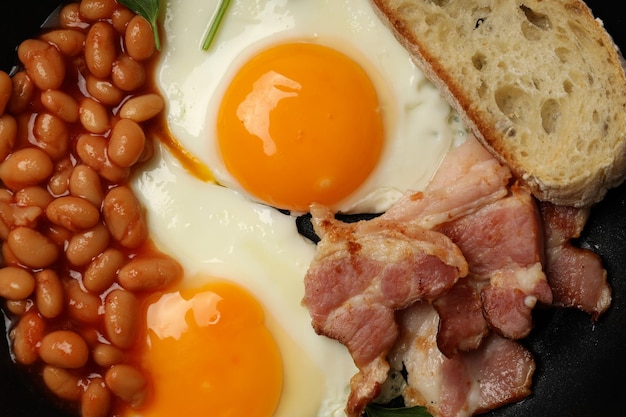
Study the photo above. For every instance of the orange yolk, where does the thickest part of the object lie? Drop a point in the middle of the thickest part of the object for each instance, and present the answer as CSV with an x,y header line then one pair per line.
x,y
300,123
208,353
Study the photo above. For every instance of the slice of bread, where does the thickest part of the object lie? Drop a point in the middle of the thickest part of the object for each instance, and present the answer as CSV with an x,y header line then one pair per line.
x,y
539,82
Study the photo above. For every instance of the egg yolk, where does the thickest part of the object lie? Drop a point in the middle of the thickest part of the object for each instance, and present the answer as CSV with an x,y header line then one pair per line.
x,y
300,123
208,353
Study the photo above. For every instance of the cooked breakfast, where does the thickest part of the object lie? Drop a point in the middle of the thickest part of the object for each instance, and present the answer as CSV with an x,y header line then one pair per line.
x,y
157,159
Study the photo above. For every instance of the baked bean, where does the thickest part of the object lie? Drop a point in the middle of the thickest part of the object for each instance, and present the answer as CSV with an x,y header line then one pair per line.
x,y
65,349
64,383
16,283
124,217
121,16
19,307
126,143
5,90
59,182
127,383
85,183
81,305
101,272
142,108
73,213
107,355
33,196
148,152
93,116
93,152
149,274
97,9
128,74
8,134
100,49
51,135
43,63
26,337
28,166
8,257
49,293
104,91
69,193
114,173
26,216
69,17
61,105
24,129
32,248
121,318
96,400
6,219
139,39
59,235
21,93
69,41
86,245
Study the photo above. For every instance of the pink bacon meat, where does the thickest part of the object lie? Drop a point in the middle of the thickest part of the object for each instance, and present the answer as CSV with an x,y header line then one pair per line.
x,y
576,275
362,273
503,244
365,271
466,384
467,258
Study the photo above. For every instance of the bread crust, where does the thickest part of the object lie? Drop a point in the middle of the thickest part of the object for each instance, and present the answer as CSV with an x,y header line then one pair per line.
x,y
539,82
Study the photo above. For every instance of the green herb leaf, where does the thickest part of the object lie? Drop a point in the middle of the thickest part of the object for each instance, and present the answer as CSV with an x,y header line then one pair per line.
x,y
374,410
215,24
149,10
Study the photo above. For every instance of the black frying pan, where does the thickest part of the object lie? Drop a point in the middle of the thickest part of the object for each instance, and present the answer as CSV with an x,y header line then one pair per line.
x,y
581,365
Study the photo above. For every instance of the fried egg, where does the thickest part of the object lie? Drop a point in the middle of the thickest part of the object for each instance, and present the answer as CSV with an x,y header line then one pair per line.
x,y
303,101
233,337
296,102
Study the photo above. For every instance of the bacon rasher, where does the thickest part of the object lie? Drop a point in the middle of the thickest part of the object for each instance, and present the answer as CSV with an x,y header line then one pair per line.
x,y
468,383
576,275
503,244
362,273
461,265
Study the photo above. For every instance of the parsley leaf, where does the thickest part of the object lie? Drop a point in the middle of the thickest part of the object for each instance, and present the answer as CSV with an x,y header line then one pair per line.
x,y
149,10
374,410
215,24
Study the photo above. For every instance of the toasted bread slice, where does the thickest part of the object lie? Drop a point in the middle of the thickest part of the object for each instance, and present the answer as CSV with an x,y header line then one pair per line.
x,y
539,82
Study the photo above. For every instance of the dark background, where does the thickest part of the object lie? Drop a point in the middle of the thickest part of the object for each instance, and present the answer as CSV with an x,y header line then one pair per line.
x,y
581,365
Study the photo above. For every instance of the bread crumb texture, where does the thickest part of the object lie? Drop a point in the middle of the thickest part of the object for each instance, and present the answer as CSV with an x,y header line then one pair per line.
x,y
540,83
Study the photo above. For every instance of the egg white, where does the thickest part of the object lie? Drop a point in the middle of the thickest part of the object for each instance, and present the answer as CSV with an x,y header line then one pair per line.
x,y
217,232
220,231
420,126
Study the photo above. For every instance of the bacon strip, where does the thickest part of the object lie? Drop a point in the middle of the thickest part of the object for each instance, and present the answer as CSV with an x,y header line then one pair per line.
x,y
462,265
576,275
362,273
462,325
468,178
499,372
503,244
